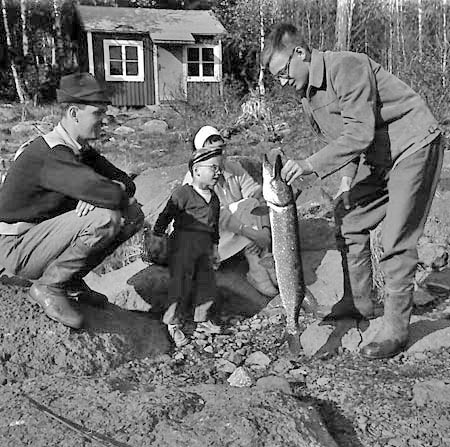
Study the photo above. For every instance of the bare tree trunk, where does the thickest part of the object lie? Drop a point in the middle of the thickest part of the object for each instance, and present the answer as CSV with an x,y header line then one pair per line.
x,y
59,44
23,18
322,33
261,88
19,89
341,25
419,18
344,16
445,43
391,36
351,7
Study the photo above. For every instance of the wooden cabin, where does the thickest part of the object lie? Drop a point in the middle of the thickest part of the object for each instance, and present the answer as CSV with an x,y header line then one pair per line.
x,y
149,56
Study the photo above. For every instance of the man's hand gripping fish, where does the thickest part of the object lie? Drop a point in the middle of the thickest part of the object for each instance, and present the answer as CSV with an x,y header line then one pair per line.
x,y
286,247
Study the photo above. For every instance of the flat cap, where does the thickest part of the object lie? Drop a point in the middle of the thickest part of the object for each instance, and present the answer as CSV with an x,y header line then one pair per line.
x,y
81,88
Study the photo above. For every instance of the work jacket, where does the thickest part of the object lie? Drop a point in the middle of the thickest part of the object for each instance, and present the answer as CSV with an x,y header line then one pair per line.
x,y
360,109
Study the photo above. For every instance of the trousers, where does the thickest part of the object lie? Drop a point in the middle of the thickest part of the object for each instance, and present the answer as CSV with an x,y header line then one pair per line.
x,y
400,198
59,249
192,277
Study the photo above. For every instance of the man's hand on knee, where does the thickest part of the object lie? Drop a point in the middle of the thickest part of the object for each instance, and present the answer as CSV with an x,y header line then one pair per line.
x,y
83,208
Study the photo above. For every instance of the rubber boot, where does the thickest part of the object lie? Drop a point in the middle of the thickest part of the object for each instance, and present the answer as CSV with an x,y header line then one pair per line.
x,y
392,338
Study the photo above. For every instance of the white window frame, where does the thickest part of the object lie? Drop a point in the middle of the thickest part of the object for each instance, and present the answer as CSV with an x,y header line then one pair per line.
x,y
217,63
107,43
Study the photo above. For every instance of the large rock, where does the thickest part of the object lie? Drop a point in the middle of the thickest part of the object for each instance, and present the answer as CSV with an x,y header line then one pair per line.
x,y
110,337
155,127
322,336
143,287
154,186
164,416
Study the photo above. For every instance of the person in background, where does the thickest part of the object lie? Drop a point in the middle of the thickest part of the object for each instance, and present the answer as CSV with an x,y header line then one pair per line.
x,y
193,245
239,229
64,207
386,143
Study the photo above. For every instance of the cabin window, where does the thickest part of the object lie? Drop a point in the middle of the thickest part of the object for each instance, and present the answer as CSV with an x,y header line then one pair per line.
x,y
124,60
203,63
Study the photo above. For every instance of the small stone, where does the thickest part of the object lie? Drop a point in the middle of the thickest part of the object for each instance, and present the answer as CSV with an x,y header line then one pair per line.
x,y
124,130
431,391
272,383
178,356
225,366
209,349
298,374
240,378
420,356
235,358
201,343
281,366
322,381
258,358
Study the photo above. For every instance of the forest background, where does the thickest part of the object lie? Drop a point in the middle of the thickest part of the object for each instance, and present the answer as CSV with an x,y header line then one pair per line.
x,y
38,40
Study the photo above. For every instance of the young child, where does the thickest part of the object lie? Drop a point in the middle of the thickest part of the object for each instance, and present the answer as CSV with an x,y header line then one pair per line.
x,y
193,244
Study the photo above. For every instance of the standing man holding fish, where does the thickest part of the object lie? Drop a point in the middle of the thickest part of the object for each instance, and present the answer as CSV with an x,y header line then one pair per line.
x,y
386,143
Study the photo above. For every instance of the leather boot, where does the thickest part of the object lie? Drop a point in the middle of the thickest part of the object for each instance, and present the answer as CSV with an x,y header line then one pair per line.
x,y
79,290
56,305
392,338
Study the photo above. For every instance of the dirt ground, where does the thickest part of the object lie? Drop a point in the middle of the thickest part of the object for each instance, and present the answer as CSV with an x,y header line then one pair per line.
x,y
120,378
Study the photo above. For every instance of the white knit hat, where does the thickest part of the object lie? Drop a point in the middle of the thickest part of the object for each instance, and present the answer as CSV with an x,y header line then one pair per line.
x,y
203,134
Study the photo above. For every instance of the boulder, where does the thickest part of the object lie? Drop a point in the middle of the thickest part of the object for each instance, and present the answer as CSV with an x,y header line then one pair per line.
x,y
143,287
155,127
164,416
329,337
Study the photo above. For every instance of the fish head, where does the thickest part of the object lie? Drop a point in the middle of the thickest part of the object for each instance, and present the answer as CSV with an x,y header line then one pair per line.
x,y
275,190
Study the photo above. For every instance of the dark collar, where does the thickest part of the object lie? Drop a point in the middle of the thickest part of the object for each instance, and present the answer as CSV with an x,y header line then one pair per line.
x,y
316,71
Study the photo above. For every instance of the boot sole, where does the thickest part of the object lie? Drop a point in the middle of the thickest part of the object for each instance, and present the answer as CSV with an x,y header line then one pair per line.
x,y
381,357
34,301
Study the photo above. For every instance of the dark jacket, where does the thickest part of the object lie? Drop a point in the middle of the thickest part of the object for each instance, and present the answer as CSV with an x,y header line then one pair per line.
x,y
44,182
190,212
359,108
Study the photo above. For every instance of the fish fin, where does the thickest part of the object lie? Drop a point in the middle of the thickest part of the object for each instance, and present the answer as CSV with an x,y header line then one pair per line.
x,y
261,210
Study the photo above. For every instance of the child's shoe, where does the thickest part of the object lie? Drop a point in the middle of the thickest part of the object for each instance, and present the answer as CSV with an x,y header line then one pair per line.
x,y
177,335
208,328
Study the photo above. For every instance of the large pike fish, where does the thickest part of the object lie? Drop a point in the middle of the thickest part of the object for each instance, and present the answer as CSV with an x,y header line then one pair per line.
x,y
286,247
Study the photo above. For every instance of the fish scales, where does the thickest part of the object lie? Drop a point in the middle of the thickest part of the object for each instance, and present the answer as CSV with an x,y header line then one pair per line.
x,y
288,265
286,246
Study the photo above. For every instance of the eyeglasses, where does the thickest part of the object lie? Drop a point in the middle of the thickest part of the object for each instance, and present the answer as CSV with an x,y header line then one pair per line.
x,y
214,168
283,74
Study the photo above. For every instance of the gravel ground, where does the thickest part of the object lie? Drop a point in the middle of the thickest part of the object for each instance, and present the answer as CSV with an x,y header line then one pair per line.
x,y
155,401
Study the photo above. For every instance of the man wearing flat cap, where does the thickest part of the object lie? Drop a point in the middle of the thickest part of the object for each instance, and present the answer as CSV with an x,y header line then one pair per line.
x,y
64,207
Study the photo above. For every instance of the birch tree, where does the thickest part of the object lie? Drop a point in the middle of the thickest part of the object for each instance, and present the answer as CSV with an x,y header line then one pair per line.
x,y
445,44
19,89
344,15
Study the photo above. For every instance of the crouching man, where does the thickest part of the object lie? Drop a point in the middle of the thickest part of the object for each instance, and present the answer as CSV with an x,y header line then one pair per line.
x,y
64,207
